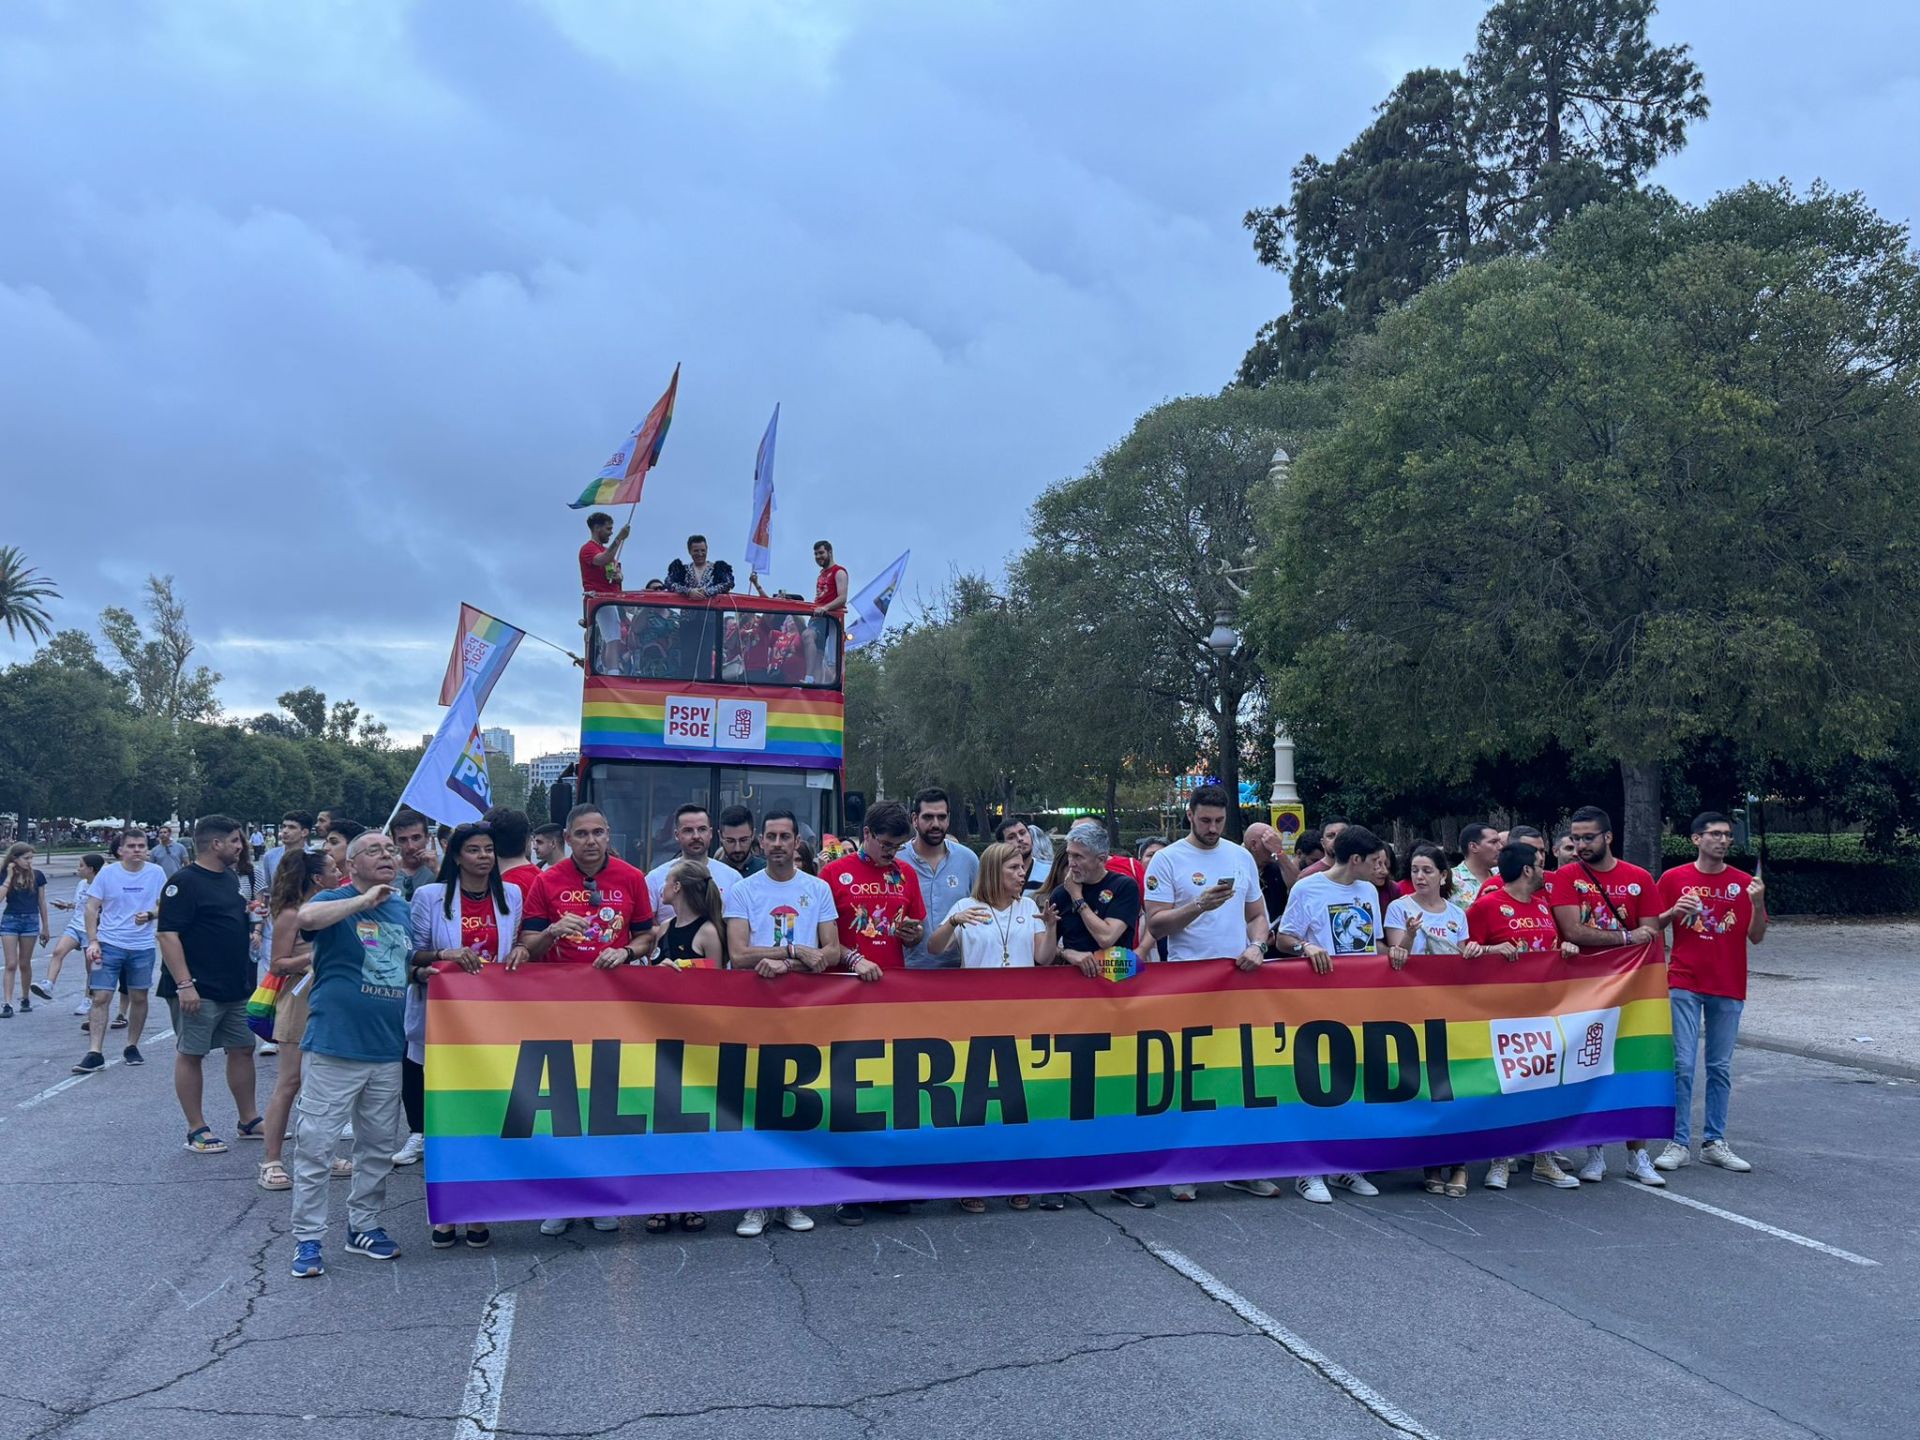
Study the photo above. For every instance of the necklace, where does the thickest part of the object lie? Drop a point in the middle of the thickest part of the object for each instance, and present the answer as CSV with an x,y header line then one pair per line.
x,y
1006,933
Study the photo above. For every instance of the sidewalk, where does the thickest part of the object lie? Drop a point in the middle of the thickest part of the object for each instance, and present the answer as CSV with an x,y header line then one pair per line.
x,y
1842,991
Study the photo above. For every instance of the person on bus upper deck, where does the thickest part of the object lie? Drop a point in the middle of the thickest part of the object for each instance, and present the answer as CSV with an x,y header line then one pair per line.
x,y
829,611
696,575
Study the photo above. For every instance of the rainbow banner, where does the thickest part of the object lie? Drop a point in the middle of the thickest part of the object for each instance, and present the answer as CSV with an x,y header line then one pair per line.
x,y
563,1090
696,723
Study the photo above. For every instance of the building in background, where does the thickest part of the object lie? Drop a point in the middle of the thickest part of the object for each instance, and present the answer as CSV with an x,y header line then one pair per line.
x,y
545,769
498,740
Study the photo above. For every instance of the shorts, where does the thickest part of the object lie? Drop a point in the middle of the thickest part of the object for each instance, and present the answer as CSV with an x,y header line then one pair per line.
x,y
290,1013
216,1025
28,924
77,934
126,969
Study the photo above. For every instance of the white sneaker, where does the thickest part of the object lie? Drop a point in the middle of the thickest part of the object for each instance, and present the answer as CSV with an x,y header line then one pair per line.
x,y
554,1227
1673,1157
1715,1152
1357,1184
794,1218
409,1153
1312,1187
606,1222
1262,1188
751,1224
1595,1170
1182,1192
1640,1167
83,1007
1548,1173
1497,1174
267,1047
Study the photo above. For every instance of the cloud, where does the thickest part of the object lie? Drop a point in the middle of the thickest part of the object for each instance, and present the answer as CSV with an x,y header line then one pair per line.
x,y
328,309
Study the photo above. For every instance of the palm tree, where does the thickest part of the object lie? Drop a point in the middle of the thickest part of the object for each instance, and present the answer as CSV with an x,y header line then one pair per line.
x,y
23,591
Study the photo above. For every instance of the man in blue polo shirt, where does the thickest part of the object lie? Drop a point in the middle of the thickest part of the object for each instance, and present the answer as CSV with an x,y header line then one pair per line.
x,y
350,1055
946,870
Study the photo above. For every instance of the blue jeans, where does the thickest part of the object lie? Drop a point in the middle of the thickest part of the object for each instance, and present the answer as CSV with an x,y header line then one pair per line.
x,y
1721,1017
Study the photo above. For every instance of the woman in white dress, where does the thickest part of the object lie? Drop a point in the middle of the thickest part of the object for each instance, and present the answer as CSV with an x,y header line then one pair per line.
x,y
1428,922
998,927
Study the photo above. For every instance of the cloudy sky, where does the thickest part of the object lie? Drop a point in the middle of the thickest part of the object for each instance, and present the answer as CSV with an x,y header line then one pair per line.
x,y
328,309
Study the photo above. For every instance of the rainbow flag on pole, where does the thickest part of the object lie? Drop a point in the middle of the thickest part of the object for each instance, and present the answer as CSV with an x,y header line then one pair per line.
x,y
620,479
482,646
565,1090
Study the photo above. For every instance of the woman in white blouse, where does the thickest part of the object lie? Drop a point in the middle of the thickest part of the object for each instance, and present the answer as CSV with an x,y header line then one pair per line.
x,y
1428,922
999,927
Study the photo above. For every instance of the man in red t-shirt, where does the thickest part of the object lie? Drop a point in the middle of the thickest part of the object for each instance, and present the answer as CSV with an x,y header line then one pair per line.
x,y
829,613
591,908
880,905
1509,921
1717,911
599,560
1602,902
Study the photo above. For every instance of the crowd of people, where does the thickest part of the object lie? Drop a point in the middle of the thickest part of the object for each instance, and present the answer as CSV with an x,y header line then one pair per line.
x,y
355,922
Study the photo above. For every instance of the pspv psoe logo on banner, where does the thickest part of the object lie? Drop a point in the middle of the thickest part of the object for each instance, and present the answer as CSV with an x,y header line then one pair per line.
x,y
1541,1051
699,722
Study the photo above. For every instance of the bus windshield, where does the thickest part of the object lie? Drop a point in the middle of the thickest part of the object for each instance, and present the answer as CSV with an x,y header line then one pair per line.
x,y
700,642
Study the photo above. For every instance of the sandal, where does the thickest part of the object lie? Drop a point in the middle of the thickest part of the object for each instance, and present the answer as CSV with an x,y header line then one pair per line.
x,y
659,1224
974,1206
273,1176
342,1169
442,1237
254,1129
478,1237
693,1222
204,1142
1457,1183
1019,1202
1432,1182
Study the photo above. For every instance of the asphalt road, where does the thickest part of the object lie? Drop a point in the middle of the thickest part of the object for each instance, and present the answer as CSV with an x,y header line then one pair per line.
x,y
146,1293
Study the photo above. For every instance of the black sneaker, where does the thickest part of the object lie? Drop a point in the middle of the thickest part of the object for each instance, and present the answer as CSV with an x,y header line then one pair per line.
x,y
26,1006
1050,1202
42,991
6,1012
119,1023
132,1056
850,1214
443,1237
93,1060
1140,1199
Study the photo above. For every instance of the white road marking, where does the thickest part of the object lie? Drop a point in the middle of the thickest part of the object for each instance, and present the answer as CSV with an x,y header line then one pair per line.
x,y
73,1080
1752,1224
480,1404
1382,1408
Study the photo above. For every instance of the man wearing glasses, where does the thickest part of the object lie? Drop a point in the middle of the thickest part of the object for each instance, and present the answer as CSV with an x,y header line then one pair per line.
x,y
591,908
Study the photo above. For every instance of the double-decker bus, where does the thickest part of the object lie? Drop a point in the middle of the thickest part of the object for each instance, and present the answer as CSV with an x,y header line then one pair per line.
x,y
733,700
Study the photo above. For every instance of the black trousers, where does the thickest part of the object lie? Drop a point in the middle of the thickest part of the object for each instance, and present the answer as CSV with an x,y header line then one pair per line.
x,y
413,1095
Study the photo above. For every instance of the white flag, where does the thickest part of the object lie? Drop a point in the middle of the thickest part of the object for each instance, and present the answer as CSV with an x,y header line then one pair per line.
x,y
450,783
867,612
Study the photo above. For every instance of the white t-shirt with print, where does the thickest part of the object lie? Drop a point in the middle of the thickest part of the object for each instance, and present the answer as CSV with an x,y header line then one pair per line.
x,y
781,912
122,894
1182,872
1436,932
1340,919
1002,942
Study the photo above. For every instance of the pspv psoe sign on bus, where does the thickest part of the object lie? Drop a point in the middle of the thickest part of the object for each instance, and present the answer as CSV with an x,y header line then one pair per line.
x,y
700,722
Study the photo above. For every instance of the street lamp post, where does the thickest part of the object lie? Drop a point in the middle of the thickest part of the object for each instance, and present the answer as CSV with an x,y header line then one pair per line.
x,y
1223,640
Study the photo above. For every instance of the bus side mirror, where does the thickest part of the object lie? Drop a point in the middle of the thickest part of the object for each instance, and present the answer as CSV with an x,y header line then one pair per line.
x,y
856,811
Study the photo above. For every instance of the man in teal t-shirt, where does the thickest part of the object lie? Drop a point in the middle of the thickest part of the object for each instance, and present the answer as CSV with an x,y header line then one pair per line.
x,y
355,1040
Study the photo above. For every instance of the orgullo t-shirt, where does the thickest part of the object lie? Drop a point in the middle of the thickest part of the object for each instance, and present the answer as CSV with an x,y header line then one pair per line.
x,y
1710,948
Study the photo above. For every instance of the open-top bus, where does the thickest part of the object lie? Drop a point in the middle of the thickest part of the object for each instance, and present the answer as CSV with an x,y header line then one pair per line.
x,y
733,700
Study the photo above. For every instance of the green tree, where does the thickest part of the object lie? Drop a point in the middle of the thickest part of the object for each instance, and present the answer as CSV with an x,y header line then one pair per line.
x,y
536,806
307,711
65,730
156,665
24,592
1561,103
1656,486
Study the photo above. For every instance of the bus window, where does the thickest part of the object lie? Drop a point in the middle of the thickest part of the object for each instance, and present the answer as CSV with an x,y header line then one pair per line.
x,y
640,800
655,642
771,788
771,649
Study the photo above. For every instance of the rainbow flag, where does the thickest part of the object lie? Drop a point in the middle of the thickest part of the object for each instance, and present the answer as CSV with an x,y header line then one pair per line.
x,y
620,479
482,646
685,720
564,1090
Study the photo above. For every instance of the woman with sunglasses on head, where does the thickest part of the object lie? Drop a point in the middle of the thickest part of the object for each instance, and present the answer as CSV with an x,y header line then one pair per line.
x,y
465,919
300,875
